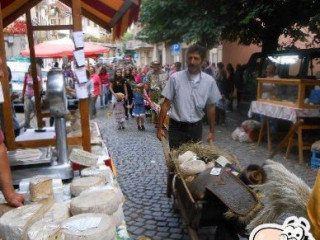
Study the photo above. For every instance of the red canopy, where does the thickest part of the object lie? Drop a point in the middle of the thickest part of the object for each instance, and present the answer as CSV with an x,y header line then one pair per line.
x,y
64,48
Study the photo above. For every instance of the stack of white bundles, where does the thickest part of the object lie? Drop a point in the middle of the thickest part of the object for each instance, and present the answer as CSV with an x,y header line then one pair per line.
x,y
83,158
89,226
95,202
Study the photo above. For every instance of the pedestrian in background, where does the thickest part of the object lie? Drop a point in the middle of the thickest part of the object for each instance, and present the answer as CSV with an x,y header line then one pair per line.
x,y
96,88
139,110
131,85
238,82
230,86
104,77
137,75
187,93
221,79
156,81
118,110
28,97
175,67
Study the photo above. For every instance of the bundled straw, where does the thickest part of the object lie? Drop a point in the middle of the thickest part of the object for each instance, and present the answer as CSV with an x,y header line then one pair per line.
x,y
284,192
206,153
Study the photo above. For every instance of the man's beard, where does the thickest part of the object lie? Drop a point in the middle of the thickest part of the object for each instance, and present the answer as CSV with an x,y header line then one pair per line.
x,y
193,68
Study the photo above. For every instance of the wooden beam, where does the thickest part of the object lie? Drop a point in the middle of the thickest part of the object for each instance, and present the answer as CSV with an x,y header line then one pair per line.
x,y
52,27
20,11
46,142
96,20
90,16
83,103
34,70
120,12
6,105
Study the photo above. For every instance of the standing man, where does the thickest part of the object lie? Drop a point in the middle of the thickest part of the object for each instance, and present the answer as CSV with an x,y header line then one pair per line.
x,y
13,198
187,94
156,81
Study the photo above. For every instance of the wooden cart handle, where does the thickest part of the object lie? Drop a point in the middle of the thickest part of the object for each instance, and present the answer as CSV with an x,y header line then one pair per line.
x,y
166,149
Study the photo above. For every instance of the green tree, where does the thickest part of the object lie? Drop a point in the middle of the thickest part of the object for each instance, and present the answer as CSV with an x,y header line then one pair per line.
x,y
175,21
208,22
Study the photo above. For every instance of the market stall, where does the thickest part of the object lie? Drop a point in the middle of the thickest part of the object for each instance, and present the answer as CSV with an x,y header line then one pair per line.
x,y
55,209
287,99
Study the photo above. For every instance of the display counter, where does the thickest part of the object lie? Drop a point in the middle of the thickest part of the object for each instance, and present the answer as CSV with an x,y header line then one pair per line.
x,y
296,93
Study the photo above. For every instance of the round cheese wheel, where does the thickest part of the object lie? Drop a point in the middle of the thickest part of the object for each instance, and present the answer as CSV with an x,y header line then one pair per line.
x,y
95,202
89,226
102,171
118,215
80,184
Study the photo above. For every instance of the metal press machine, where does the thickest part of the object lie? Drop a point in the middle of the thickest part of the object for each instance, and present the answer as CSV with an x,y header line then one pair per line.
x,y
52,162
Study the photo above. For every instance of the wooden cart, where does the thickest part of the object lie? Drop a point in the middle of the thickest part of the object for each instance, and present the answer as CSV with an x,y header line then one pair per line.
x,y
195,214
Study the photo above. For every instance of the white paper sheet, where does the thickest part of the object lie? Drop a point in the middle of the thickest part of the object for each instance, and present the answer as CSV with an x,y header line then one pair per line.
x,y
81,91
215,171
1,94
222,161
81,74
78,39
79,56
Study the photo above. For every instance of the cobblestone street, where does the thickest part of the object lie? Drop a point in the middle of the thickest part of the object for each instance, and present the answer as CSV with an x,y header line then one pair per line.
x,y
141,170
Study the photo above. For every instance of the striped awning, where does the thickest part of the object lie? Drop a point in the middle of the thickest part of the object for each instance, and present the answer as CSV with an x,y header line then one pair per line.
x,y
109,14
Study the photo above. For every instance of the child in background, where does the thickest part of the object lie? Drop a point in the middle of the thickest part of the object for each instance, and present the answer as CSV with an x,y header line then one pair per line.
x,y
118,110
139,110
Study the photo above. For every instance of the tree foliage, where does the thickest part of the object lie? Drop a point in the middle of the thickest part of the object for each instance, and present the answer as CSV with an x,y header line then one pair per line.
x,y
178,21
247,21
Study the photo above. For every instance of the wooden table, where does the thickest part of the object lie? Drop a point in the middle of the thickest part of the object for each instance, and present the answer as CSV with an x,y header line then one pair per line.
x,y
295,115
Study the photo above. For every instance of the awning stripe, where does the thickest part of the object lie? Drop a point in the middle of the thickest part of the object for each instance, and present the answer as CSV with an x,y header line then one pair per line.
x,y
103,10
13,6
125,22
101,7
5,3
97,13
115,4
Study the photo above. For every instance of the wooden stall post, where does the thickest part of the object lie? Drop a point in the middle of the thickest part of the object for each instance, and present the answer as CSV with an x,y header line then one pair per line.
x,y
34,70
6,105
83,103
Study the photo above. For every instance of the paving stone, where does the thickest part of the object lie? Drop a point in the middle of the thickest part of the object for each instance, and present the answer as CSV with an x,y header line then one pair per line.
x,y
175,236
163,234
150,233
163,229
161,224
173,224
150,227
138,231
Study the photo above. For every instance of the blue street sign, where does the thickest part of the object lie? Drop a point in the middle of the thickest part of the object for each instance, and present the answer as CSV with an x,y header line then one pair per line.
x,y
175,48
136,56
